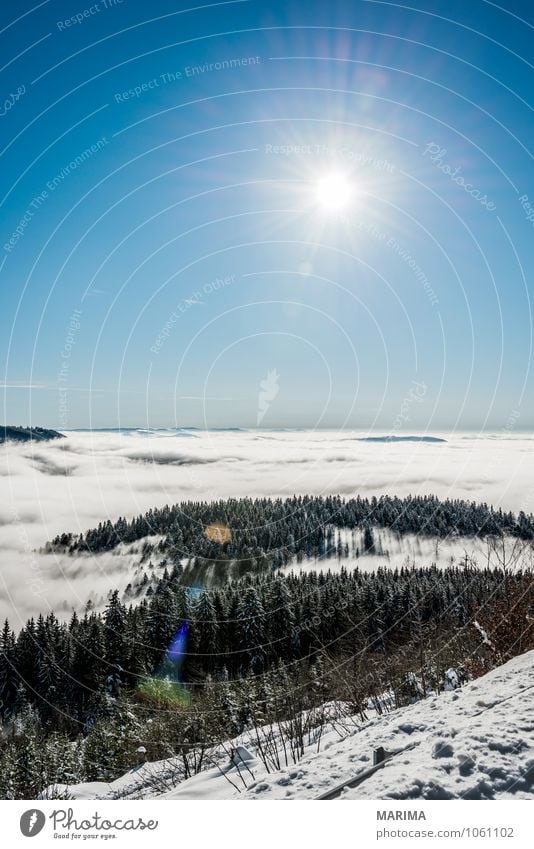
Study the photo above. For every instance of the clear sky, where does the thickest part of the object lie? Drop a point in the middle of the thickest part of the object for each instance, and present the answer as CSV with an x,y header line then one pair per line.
x,y
291,214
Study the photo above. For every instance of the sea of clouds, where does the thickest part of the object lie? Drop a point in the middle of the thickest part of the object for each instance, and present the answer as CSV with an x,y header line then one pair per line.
x,y
74,483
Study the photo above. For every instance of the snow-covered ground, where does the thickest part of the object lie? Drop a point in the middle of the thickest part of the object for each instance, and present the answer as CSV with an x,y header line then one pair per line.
x,y
476,742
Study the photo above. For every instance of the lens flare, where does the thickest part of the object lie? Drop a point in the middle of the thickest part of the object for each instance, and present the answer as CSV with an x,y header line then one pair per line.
x,y
163,692
177,649
165,687
218,532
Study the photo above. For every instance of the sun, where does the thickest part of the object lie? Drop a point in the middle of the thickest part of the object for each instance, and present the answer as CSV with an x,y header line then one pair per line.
x,y
333,192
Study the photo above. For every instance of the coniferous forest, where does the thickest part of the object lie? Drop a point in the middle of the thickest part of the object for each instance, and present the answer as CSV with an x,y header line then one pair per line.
x,y
226,639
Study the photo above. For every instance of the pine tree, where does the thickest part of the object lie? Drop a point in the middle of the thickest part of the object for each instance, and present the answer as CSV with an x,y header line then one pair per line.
x,y
8,674
61,760
281,618
115,628
28,773
8,772
251,627
109,749
207,631
229,708
368,540
88,668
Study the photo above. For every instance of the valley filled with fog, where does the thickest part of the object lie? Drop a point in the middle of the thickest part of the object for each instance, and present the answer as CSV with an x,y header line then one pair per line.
x,y
73,484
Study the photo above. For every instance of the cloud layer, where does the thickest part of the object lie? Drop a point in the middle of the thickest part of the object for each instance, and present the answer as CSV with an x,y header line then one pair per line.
x,y
73,484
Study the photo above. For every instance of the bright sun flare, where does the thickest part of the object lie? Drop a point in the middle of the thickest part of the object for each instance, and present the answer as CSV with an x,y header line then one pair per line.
x,y
333,192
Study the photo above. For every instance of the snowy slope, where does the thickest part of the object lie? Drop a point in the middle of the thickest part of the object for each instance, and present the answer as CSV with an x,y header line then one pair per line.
x,y
474,743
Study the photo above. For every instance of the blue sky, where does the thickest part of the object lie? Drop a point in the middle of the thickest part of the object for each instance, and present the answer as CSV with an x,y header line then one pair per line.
x,y
164,249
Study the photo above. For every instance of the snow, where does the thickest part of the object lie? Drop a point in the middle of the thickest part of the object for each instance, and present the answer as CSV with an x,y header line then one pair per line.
x,y
475,742
241,755
483,634
139,781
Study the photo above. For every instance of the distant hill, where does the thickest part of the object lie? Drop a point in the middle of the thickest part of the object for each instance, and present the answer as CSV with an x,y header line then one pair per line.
x,y
28,434
401,439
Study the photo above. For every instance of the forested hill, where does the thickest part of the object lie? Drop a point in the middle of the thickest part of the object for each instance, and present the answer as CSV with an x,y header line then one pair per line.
x,y
274,531
10,433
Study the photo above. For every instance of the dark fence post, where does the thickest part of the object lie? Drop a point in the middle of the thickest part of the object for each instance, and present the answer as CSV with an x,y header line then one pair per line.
x,y
379,755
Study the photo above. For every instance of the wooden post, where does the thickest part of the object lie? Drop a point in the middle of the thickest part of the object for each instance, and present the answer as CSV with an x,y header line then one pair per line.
x,y
379,755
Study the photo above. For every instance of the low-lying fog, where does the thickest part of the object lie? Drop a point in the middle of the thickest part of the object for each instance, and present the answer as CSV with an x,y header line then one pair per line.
x,y
74,483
